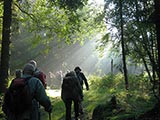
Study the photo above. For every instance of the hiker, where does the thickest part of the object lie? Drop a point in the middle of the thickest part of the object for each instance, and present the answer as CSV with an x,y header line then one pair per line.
x,y
59,77
18,73
39,74
82,79
25,108
71,91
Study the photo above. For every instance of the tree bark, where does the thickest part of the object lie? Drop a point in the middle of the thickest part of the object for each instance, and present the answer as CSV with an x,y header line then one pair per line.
x,y
112,66
157,23
6,30
123,49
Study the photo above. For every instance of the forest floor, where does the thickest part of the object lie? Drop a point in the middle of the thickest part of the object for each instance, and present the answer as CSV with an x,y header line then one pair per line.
x,y
58,112
138,103
55,96
152,114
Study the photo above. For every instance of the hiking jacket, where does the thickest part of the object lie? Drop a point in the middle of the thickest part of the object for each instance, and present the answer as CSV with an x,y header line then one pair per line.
x,y
39,97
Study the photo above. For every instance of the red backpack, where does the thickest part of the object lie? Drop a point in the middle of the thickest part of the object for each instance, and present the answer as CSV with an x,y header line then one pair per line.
x,y
42,77
18,98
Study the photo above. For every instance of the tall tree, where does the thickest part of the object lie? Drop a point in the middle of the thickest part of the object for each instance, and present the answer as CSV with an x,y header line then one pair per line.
x,y
139,33
4,66
123,45
45,21
157,22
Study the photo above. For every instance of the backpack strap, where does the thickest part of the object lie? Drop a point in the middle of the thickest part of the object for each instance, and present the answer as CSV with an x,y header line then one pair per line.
x,y
26,82
27,79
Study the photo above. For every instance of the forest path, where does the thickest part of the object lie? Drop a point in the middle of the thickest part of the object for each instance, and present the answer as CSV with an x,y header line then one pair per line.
x,y
54,93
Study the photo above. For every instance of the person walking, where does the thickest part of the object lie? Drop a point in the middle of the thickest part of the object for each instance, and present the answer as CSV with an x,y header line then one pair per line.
x,y
39,74
82,79
18,73
71,92
37,95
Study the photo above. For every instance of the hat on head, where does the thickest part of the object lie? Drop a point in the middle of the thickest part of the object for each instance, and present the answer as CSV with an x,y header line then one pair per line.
x,y
28,69
33,62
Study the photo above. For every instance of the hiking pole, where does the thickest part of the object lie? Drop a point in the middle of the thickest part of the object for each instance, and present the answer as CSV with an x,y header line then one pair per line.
x,y
49,116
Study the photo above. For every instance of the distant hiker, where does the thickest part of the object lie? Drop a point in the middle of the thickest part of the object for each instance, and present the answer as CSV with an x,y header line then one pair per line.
x,y
59,77
82,79
18,73
39,74
50,80
71,91
20,100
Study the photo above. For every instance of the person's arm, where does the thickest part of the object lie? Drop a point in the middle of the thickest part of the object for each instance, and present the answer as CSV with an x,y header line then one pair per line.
x,y
41,96
85,81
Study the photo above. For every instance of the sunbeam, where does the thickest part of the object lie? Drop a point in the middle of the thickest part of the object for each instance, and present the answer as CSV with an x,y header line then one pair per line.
x,y
68,57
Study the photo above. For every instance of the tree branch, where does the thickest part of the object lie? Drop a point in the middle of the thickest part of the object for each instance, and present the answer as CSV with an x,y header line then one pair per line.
x,y
29,14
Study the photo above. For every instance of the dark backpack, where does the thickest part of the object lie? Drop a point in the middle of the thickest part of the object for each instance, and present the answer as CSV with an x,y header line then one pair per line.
x,y
68,84
70,87
18,98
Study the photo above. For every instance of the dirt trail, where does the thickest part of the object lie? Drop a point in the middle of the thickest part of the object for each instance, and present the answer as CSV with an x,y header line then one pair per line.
x,y
53,93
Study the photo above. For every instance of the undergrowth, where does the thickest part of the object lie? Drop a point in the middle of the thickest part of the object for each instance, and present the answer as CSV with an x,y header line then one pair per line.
x,y
135,101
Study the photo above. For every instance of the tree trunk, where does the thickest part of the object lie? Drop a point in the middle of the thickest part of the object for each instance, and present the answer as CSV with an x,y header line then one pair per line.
x,y
157,22
112,66
123,49
4,66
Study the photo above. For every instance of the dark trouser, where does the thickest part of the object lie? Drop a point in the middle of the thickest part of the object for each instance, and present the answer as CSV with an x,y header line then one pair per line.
x,y
80,107
68,105
80,102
